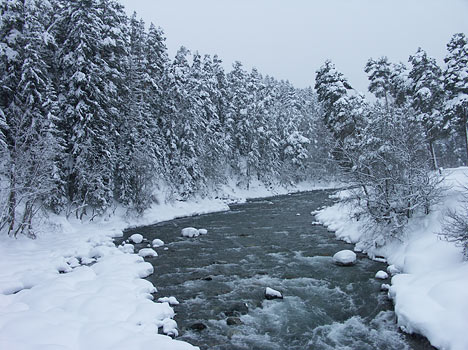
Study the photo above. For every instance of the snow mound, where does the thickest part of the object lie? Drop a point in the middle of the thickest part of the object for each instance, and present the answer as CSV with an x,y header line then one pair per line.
x,y
157,243
382,275
147,252
393,270
170,300
345,257
193,232
190,232
271,293
136,238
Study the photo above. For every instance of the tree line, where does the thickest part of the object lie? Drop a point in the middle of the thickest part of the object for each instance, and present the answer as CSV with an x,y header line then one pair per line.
x,y
391,149
94,114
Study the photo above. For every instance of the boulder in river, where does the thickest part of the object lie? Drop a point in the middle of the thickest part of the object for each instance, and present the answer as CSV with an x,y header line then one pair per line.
x,y
190,232
393,270
345,258
237,310
157,243
382,275
147,252
233,321
136,238
271,293
198,326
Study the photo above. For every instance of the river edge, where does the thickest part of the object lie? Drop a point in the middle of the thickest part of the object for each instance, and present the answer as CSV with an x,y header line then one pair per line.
x,y
72,260
429,287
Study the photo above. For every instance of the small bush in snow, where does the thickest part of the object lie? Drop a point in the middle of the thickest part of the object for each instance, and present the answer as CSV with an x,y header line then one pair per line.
x,y
455,228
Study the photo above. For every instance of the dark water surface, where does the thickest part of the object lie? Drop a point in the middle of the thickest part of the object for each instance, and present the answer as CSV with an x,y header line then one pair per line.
x,y
265,243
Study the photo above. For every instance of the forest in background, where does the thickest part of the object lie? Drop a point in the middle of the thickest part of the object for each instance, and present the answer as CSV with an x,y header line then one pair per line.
x,y
94,114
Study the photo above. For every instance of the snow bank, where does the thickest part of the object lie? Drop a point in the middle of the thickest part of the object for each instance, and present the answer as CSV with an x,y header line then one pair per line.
x,y
71,288
430,279
48,296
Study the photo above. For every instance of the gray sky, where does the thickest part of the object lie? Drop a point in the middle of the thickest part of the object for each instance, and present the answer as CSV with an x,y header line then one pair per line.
x,y
290,39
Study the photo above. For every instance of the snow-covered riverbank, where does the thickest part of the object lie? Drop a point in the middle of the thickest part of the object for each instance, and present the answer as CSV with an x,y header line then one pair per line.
x,y
431,291
71,288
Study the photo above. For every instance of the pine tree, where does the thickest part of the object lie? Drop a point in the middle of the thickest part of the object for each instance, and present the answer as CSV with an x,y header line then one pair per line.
x,y
427,94
85,108
332,90
26,128
387,81
456,83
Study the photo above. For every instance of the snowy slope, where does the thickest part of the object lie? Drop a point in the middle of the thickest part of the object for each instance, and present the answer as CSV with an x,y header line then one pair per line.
x,y
431,292
71,288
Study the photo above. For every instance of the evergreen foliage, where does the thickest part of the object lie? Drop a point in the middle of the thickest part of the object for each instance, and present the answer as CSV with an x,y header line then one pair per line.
x,y
93,113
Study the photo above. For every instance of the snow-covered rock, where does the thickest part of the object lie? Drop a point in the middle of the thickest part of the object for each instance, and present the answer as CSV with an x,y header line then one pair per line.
x,y
385,286
147,252
190,232
345,257
271,293
203,231
157,243
382,275
136,238
393,270
170,300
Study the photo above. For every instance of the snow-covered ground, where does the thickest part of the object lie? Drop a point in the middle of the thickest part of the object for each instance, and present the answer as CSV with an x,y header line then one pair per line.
x,y
431,291
71,288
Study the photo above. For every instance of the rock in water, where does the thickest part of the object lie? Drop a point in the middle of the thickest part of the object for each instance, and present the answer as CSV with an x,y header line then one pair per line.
x,y
136,238
271,293
147,252
382,275
237,309
157,243
170,300
233,321
190,232
385,287
345,258
198,326
393,270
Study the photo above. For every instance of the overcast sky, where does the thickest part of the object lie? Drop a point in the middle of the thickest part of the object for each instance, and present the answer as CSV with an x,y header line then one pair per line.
x,y
290,39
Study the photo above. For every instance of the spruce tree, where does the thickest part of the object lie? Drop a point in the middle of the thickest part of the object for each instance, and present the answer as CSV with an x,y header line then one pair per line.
x,y
456,84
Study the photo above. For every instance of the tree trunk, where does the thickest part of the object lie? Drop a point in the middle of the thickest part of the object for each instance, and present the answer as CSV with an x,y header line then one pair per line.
x,y
433,155
12,200
465,128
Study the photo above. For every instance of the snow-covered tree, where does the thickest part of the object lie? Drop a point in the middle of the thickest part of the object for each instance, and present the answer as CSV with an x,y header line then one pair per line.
x,y
332,90
85,107
387,80
427,97
456,83
28,145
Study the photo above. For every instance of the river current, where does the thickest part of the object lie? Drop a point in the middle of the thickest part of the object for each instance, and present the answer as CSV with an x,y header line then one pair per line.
x,y
220,278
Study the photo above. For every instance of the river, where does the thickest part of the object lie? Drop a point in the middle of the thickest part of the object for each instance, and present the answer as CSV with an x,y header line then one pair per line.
x,y
271,243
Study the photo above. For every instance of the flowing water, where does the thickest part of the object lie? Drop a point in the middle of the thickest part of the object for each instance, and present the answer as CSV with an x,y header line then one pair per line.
x,y
271,243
